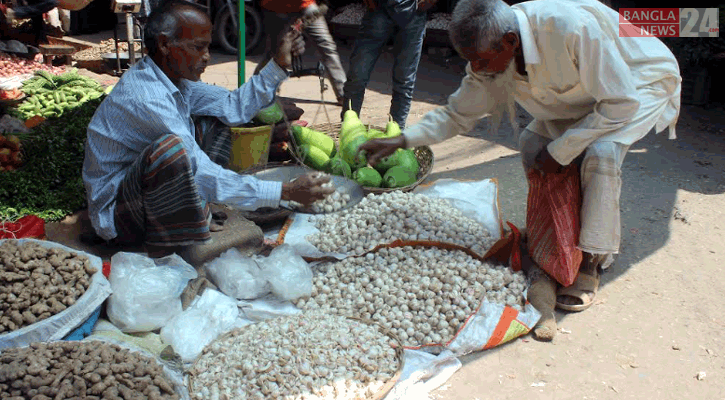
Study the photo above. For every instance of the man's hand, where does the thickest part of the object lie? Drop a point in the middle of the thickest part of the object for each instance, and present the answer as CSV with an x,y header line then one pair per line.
x,y
371,4
425,5
377,149
546,163
290,43
313,12
307,188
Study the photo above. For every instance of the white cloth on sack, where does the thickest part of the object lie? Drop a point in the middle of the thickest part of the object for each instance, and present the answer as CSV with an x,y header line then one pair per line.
x,y
583,83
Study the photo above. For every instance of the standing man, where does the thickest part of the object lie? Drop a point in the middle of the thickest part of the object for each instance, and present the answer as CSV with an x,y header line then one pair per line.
x,y
149,172
279,14
404,21
591,93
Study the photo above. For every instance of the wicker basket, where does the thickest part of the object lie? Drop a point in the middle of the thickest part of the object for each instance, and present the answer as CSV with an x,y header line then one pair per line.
x,y
424,154
379,395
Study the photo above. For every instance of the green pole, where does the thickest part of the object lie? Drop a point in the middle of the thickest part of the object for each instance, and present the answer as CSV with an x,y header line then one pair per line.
x,y
242,45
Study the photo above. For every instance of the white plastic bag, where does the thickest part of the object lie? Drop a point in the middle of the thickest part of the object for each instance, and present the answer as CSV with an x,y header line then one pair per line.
x,y
237,276
206,318
288,274
146,293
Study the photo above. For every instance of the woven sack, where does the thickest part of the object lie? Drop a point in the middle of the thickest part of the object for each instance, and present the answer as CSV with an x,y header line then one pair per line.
x,y
553,221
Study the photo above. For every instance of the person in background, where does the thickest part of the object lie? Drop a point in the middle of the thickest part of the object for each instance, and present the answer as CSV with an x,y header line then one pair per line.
x,y
279,14
592,94
149,172
34,11
404,21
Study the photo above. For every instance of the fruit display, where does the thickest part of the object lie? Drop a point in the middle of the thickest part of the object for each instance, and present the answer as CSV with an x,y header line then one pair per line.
x,y
320,151
11,157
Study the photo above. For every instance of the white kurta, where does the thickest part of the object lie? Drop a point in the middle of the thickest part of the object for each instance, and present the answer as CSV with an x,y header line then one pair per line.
x,y
584,82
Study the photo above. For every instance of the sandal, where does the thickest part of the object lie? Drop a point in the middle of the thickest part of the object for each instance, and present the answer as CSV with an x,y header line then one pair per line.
x,y
584,288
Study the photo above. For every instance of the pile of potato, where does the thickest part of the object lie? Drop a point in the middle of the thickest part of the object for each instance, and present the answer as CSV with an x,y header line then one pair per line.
x,y
80,370
38,282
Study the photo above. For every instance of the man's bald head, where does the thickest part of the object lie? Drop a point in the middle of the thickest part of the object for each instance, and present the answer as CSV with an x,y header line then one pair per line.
x,y
168,19
481,24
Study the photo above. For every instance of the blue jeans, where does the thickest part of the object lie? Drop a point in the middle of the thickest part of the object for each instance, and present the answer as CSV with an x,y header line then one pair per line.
x,y
376,29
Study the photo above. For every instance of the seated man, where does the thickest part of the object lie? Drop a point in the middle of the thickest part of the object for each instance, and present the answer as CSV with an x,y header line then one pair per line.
x,y
147,177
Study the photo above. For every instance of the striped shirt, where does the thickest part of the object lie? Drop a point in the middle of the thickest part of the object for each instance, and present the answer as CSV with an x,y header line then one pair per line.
x,y
143,106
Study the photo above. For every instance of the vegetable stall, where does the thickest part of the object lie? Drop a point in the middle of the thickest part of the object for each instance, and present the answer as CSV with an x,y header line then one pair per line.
x,y
338,304
44,178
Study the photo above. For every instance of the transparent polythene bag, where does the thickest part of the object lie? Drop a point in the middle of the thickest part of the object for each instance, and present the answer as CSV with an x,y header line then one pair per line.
x,y
288,274
146,292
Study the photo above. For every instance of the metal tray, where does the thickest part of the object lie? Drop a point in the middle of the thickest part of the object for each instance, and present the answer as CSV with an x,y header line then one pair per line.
x,y
290,173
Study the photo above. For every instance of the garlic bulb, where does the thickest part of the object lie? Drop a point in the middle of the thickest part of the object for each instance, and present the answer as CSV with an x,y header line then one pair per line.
x,y
313,355
332,203
384,218
403,288
439,21
351,14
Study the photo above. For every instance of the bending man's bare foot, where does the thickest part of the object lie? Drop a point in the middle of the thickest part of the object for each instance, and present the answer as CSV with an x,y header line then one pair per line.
x,y
542,295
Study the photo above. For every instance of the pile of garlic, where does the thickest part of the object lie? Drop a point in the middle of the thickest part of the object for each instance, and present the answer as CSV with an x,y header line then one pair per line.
x,y
439,21
351,14
332,203
384,218
423,295
313,355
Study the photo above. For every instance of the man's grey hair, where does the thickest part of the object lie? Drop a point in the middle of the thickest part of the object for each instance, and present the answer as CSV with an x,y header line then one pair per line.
x,y
165,20
481,24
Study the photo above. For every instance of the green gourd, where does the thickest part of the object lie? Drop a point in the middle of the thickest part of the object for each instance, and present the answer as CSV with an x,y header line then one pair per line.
x,y
392,129
305,135
314,157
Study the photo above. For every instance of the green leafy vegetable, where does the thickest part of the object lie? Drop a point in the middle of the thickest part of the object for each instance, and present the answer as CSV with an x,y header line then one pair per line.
x,y
49,184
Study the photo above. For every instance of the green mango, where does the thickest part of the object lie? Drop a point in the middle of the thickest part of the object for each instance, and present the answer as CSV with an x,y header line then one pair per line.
x,y
399,177
407,160
350,154
270,115
367,176
339,167
388,162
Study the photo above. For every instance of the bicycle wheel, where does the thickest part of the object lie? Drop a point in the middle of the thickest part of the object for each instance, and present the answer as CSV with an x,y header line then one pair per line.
x,y
226,33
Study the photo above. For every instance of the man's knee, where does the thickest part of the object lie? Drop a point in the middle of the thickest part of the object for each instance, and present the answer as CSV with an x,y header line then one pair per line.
x,y
530,144
603,158
165,151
